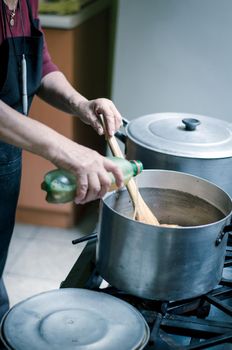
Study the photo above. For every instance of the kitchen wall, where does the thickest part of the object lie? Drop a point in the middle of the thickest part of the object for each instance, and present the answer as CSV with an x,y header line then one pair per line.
x,y
173,56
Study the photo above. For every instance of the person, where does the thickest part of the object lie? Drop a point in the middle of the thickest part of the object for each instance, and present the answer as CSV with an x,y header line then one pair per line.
x,y
26,69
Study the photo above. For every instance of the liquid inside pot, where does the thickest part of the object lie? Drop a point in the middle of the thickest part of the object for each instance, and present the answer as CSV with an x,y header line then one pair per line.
x,y
170,207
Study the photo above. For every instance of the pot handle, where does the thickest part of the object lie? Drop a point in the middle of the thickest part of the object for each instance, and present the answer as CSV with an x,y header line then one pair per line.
x,y
120,135
221,235
125,122
92,236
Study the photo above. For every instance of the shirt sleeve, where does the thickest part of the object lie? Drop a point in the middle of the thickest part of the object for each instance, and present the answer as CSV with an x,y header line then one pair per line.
x,y
48,65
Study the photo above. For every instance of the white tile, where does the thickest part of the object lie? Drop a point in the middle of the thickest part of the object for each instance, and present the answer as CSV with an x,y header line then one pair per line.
x,y
17,250
57,234
24,230
40,258
21,288
46,259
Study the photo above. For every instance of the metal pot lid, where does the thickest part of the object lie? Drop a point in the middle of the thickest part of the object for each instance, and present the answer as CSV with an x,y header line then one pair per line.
x,y
183,135
74,319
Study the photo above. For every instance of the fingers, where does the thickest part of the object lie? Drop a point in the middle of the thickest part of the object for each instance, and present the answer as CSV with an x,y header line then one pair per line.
x,y
111,115
118,117
89,112
105,184
116,171
91,187
82,188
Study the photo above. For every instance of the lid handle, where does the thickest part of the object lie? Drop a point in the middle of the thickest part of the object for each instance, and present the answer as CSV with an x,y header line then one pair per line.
x,y
191,123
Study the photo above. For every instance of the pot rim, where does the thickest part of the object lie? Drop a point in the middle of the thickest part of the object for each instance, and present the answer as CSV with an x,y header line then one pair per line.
x,y
227,197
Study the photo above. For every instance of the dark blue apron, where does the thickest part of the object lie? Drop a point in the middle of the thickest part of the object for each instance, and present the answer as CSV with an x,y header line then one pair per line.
x,y
11,52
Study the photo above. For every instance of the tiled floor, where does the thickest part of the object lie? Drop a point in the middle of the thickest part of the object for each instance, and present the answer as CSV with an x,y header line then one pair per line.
x,y
40,257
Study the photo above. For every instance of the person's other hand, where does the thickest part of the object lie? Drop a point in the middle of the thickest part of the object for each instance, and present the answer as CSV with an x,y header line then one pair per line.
x,y
89,112
90,168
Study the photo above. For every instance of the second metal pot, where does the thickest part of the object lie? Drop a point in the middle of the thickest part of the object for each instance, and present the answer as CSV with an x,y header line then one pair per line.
x,y
194,144
164,263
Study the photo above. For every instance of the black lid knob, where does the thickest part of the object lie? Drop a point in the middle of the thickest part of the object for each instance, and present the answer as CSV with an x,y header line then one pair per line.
x,y
191,123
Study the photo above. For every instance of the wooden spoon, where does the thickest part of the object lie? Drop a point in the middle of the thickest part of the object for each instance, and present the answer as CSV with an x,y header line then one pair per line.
x,y
142,211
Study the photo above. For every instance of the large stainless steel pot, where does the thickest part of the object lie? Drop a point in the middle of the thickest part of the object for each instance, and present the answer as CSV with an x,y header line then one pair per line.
x,y
165,263
193,144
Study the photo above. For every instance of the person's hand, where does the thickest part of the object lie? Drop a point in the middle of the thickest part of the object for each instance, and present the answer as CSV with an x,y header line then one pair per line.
x,y
89,112
90,168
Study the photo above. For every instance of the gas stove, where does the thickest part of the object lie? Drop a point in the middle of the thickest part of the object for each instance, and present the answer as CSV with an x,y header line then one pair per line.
x,y
203,322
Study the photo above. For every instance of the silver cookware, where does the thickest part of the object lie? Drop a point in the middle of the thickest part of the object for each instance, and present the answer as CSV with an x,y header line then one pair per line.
x,y
73,319
194,144
164,263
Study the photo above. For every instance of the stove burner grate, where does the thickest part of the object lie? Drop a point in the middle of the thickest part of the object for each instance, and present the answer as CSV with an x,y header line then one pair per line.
x,y
203,322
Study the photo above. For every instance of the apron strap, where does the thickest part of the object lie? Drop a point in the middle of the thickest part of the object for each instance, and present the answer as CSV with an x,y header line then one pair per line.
x,y
4,24
30,11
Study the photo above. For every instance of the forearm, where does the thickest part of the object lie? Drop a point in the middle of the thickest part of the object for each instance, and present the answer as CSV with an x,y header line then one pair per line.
x,y
57,91
27,133
89,166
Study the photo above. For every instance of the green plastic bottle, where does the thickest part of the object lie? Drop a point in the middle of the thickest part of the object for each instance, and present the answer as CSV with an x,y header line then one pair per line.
x,y
61,185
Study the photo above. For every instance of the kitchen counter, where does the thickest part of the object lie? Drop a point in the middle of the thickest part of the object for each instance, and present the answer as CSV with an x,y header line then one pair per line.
x,y
72,21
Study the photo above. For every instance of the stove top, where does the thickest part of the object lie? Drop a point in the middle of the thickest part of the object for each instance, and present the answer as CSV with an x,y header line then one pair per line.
x,y
203,322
